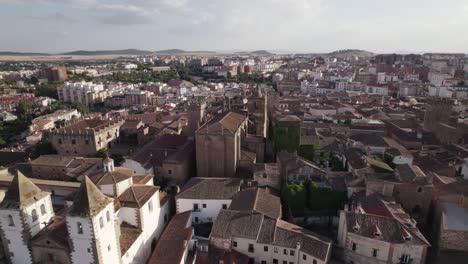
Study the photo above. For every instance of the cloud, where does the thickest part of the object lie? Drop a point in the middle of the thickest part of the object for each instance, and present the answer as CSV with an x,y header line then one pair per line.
x,y
56,16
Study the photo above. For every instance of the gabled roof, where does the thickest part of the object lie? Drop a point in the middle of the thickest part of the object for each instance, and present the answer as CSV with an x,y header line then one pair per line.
x,y
137,195
210,188
257,200
228,122
113,177
21,193
89,200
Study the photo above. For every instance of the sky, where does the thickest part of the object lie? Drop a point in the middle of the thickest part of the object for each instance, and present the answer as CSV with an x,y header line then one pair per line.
x,y
381,26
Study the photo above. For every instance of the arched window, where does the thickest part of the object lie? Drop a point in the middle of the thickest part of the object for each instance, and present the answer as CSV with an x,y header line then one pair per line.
x,y
101,222
108,216
43,211
80,228
10,221
34,215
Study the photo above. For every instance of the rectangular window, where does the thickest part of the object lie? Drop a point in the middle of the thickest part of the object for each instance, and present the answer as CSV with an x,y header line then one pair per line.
x,y
204,205
195,207
285,262
275,261
73,142
405,259
314,261
285,251
224,206
374,253
291,252
264,262
101,222
80,228
354,247
234,243
251,248
169,172
275,249
265,248
304,257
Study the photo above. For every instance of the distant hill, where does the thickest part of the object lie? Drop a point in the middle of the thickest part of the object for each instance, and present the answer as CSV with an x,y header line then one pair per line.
x,y
108,52
171,51
9,53
351,53
256,52
179,51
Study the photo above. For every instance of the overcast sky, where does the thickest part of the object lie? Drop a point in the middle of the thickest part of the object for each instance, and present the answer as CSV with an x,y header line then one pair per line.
x,y
222,25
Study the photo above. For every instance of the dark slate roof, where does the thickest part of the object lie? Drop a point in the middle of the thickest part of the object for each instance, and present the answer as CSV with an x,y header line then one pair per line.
x,y
210,188
137,195
258,200
373,139
355,158
21,193
89,200
411,174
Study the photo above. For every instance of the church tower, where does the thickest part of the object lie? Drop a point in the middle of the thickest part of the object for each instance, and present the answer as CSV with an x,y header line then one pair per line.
x,y
93,231
196,114
108,164
24,212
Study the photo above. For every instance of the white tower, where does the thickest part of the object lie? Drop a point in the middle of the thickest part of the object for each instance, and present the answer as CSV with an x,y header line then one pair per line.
x,y
108,164
93,231
24,211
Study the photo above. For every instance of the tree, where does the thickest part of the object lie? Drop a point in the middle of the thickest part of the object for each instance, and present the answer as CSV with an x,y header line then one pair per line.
x,y
295,196
44,148
83,109
100,154
24,106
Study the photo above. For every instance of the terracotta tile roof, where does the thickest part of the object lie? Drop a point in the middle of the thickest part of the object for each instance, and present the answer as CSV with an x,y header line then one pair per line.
x,y
137,195
173,241
128,235
112,177
210,188
223,123
257,200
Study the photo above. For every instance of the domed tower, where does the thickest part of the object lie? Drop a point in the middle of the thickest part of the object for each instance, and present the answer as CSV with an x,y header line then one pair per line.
x,y
92,228
24,212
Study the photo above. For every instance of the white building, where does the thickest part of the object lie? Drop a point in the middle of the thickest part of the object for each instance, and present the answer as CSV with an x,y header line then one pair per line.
x,y
116,220
205,197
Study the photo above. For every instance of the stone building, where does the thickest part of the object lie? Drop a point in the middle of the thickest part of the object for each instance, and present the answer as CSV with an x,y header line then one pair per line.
x,y
63,168
437,111
85,136
218,145
196,115
451,217
171,156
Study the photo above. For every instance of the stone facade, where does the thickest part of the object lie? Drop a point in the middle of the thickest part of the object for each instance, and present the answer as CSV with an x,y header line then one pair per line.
x,y
218,146
85,137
